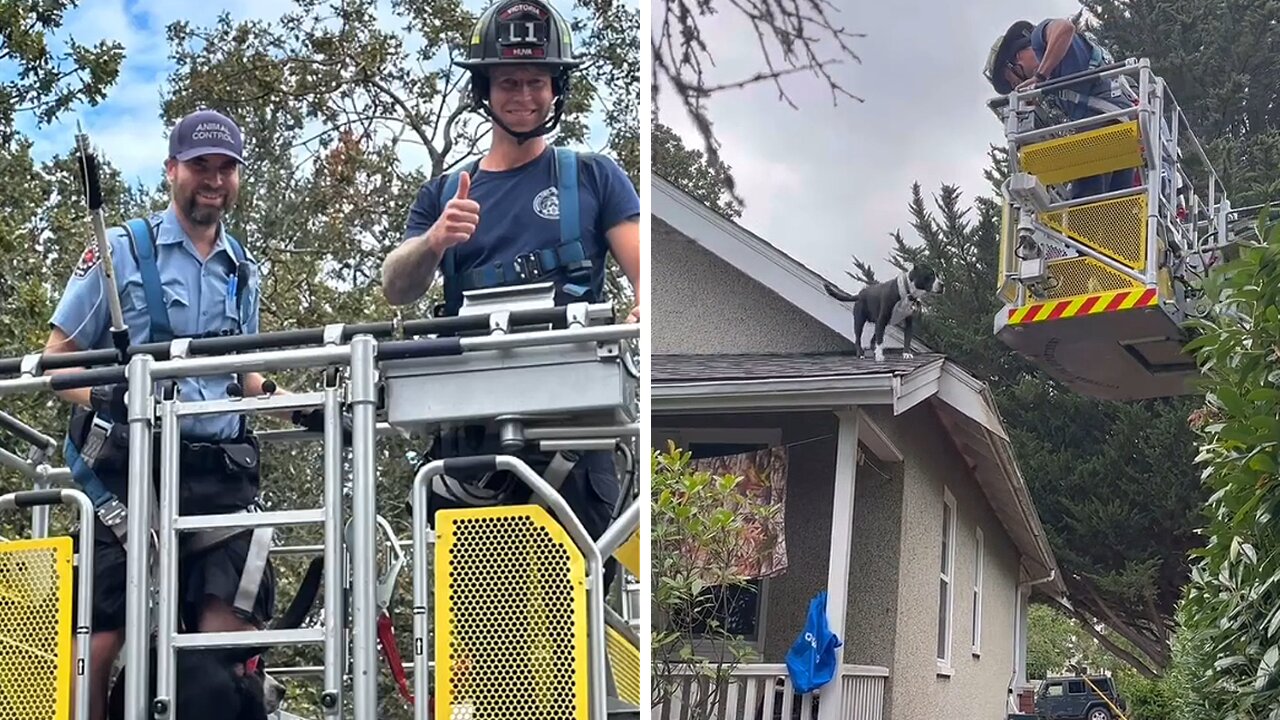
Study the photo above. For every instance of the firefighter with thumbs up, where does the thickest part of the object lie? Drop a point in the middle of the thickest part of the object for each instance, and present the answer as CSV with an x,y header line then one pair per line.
x,y
525,212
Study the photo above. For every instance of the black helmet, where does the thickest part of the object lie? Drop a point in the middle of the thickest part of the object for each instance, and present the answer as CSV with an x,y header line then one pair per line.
x,y
520,32
1003,50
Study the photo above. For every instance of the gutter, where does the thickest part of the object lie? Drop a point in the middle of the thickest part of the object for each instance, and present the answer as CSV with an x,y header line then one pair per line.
x,y
1030,518
901,390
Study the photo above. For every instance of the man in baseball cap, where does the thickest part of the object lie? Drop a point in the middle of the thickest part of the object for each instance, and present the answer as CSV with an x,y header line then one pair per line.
x,y
180,274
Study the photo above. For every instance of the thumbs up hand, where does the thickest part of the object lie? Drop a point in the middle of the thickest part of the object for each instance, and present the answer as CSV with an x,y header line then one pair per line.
x,y
459,219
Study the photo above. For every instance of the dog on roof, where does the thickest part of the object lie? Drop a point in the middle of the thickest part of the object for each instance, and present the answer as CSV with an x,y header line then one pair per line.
x,y
892,302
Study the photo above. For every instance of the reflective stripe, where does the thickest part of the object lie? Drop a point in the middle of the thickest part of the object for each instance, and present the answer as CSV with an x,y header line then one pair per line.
x,y
255,565
559,467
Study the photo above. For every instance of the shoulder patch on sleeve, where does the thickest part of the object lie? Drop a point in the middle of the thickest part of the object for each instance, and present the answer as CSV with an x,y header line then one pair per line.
x,y
88,260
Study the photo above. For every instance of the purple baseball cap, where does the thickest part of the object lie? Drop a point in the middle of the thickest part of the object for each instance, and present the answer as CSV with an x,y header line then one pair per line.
x,y
205,132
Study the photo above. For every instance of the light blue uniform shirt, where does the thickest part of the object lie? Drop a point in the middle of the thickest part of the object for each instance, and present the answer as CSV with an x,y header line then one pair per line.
x,y
200,298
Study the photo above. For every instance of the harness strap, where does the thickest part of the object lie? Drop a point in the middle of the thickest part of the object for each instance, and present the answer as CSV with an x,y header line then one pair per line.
x,y
391,653
139,231
559,467
255,566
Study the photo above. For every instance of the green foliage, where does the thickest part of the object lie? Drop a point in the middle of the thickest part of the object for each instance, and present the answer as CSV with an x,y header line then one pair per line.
x,y
36,79
691,171
1057,644
699,525
1222,61
1147,698
1190,663
1233,601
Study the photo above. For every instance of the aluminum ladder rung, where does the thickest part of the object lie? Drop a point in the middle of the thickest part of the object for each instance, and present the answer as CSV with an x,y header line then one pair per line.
x,y
250,638
249,520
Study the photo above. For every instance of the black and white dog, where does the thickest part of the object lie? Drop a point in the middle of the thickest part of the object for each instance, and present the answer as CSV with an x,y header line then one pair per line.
x,y
893,302
229,683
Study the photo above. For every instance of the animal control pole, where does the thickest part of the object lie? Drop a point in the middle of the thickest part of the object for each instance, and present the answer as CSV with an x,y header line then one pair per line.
x,y
93,189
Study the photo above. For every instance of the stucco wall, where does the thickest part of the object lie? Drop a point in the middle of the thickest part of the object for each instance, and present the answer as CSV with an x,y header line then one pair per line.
x,y
871,621
978,685
873,573
702,305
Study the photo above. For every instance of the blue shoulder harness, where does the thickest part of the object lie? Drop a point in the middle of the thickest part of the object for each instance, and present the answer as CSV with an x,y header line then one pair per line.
x,y
570,250
144,249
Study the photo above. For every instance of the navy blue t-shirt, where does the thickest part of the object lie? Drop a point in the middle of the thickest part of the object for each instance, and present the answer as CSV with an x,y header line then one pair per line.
x,y
519,212
1079,55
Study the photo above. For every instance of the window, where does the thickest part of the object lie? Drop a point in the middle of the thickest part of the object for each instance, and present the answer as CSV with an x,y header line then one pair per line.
x,y
946,588
1054,690
736,610
977,594
1075,687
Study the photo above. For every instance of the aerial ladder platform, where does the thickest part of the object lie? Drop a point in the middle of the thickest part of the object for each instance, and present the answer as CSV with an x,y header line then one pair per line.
x,y
1096,289
511,618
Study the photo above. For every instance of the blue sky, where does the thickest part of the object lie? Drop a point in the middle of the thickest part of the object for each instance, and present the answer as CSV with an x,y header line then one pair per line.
x,y
126,127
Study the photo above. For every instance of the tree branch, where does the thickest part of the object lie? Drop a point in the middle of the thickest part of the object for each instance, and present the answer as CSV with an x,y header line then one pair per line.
x,y
1157,652
1110,644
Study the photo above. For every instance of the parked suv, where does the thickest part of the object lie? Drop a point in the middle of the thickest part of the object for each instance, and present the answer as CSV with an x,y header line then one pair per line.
x,y
1071,698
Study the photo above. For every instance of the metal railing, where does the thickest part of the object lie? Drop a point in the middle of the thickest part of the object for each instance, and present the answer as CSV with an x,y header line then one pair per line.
x,y
1186,229
364,353
764,691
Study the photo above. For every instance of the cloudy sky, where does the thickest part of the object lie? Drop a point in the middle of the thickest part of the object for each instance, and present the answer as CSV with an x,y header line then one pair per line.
x,y
126,127
825,182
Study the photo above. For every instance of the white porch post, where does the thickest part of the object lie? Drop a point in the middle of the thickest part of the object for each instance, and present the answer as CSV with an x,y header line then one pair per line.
x,y
846,472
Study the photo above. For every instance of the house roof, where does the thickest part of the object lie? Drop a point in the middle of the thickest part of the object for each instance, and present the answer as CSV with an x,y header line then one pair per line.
x,y
964,404
755,256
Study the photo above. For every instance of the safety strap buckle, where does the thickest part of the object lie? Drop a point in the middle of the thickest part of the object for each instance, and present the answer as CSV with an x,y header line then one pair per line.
x,y
113,514
99,429
529,266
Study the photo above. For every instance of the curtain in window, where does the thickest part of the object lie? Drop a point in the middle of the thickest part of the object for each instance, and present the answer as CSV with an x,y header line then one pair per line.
x,y
764,484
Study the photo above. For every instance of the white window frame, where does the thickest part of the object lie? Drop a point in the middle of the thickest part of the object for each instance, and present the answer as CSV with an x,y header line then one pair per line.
x,y
768,436
948,575
979,561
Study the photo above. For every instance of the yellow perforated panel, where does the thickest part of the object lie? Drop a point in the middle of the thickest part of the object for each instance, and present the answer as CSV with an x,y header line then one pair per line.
x,y
1086,276
511,617
624,661
1116,228
35,629
1060,160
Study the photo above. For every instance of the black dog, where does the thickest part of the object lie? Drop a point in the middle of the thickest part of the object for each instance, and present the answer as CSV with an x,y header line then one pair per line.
x,y
893,302
228,683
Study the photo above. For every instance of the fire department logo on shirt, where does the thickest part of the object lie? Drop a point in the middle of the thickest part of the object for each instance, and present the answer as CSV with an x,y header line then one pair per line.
x,y
547,204
88,260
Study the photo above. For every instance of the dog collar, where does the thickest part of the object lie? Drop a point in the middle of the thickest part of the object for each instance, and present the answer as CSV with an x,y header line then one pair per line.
x,y
905,290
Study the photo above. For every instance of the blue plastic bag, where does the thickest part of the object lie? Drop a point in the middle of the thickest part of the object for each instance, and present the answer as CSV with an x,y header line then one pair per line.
x,y
811,661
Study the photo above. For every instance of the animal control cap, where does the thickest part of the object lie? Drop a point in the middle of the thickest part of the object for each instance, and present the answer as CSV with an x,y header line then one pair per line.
x,y
206,132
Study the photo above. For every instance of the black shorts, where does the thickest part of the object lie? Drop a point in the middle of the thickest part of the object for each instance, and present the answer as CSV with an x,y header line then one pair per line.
x,y
209,484
217,572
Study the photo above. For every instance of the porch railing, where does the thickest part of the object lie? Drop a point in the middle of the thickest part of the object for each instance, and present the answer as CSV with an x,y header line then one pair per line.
x,y
765,692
